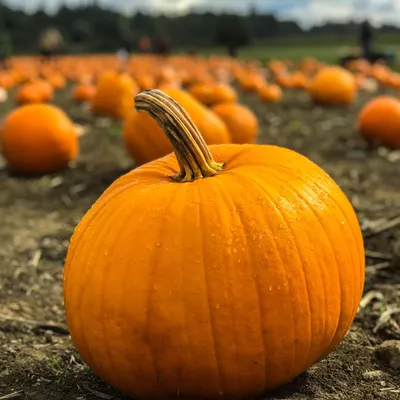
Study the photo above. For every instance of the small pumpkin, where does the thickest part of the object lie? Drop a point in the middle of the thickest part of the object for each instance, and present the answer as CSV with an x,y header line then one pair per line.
x,y
38,139
83,92
270,93
27,93
114,95
57,81
241,122
248,259
333,86
145,140
213,93
379,121
44,88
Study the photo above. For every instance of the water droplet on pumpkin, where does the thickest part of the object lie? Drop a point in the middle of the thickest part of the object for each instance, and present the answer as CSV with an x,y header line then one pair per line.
x,y
235,250
233,228
238,260
321,208
260,236
169,292
242,248
293,206
280,226
229,241
155,287
213,234
270,288
158,244
254,275
342,222
105,252
217,306
240,273
311,247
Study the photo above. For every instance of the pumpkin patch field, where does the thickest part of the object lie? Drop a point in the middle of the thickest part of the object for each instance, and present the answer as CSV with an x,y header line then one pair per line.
x,y
199,228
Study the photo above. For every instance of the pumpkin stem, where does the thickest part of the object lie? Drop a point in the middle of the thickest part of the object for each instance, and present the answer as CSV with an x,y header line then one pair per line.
x,y
194,157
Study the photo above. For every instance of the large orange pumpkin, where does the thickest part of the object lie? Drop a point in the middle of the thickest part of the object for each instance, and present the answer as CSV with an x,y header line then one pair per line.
x,y
333,86
241,122
379,121
146,141
38,138
213,273
114,95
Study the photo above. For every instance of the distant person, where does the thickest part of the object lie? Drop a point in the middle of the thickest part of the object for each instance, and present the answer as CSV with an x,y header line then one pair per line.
x,y
144,44
163,46
50,43
123,57
366,36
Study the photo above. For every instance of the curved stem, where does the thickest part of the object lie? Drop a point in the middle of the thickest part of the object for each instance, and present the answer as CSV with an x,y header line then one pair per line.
x,y
194,157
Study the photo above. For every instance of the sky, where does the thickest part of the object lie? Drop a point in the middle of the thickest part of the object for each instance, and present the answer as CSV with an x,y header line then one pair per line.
x,y
306,12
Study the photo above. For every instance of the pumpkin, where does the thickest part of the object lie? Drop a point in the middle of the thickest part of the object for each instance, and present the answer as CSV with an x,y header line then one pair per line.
x,y
211,273
241,122
379,121
145,140
114,95
83,92
28,93
270,93
57,81
145,81
333,86
44,88
213,93
38,139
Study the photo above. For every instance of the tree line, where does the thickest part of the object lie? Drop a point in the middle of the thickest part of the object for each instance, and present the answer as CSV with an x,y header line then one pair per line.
x,y
92,28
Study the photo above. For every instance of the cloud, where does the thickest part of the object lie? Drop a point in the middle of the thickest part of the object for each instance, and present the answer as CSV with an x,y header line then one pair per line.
x,y
306,12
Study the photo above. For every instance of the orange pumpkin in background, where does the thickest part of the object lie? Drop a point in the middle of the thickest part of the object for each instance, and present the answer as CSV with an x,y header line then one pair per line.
x,y
38,139
44,88
83,92
57,81
241,122
213,93
27,93
146,141
114,95
379,121
270,93
248,259
333,86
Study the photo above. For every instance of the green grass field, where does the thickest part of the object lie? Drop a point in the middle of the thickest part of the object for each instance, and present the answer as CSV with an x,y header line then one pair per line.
x,y
326,48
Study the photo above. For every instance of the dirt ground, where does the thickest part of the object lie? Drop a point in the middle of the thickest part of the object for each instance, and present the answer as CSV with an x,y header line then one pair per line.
x,y
37,217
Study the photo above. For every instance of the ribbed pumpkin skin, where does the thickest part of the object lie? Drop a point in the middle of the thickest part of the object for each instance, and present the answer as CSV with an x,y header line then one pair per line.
x,y
38,138
114,95
146,141
225,286
241,122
